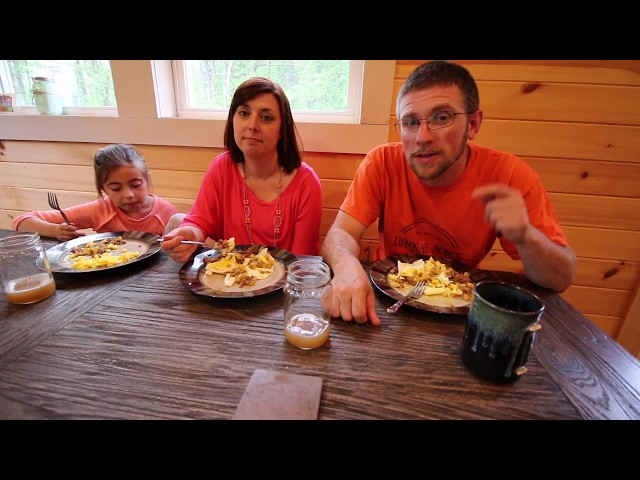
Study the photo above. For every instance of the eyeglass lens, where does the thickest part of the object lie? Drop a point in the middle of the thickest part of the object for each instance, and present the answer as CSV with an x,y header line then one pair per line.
x,y
434,121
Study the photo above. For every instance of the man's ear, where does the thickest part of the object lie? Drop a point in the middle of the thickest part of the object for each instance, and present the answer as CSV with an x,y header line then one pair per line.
x,y
475,121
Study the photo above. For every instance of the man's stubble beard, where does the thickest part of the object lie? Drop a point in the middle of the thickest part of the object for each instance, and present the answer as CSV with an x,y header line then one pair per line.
x,y
442,168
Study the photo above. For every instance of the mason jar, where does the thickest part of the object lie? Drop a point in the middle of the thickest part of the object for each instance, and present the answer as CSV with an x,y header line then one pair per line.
x,y
307,298
46,96
25,271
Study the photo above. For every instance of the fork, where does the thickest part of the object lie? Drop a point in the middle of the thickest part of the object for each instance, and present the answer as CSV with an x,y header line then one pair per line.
x,y
418,290
192,242
53,203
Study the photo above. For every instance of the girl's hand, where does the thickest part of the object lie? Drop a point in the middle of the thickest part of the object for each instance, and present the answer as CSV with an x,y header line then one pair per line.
x,y
66,232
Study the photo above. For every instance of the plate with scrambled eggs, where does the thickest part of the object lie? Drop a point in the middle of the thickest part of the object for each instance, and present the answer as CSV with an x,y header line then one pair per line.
x,y
449,289
242,271
102,251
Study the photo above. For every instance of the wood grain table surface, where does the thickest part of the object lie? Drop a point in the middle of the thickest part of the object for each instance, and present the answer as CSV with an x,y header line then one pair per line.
x,y
133,343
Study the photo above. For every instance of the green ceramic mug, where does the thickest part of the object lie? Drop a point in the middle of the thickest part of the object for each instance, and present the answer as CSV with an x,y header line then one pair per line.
x,y
500,330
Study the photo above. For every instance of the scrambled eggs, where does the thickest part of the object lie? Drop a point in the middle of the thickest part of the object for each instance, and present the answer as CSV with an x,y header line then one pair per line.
x,y
106,259
440,279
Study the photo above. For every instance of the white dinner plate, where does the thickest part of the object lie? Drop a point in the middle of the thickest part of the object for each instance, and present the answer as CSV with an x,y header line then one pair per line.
x,y
146,244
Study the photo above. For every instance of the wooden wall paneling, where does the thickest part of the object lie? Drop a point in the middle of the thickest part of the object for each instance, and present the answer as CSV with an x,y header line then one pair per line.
x,y
607,273
47,176
192,159
597,211
30,199
176,183
604,243
332,165
619,143
617,179
603,72
600,301
606,72
58,153
333,192
72,178
553,102
195,159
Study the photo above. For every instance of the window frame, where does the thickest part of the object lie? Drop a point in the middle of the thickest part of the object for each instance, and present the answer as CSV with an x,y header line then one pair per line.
x,y
147,114
352,115
6,84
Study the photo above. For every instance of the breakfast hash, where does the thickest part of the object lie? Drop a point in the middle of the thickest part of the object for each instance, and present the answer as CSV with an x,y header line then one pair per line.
x,y
440,278
241,268
100,254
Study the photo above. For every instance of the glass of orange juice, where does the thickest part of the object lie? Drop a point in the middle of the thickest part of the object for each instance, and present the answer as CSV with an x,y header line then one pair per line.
x,y
307,320
25,271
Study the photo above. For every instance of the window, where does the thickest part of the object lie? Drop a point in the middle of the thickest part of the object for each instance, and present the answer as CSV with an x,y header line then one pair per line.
x,y
146,114
318,90
84,86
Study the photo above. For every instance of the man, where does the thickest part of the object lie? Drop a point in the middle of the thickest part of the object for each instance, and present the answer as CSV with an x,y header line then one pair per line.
x,y
436,194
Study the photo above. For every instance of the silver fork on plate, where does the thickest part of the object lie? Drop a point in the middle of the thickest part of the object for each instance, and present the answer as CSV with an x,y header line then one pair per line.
x,y
53,203
417,290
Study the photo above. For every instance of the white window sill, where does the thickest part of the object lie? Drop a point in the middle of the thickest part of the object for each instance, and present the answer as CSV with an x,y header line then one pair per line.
x,y
316,137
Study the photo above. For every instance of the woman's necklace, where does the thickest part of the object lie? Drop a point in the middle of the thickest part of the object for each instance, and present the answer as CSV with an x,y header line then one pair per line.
x,y
277,216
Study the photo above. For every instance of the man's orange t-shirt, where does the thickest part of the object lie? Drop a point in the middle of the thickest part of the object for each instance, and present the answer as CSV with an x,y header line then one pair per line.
x,y
442,221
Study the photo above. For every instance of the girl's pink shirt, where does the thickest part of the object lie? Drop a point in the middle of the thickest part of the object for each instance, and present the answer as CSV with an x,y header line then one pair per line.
x,y
103,216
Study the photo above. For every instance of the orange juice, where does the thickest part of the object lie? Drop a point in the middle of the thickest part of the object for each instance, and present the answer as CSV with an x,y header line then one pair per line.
x,y
307,331
30,289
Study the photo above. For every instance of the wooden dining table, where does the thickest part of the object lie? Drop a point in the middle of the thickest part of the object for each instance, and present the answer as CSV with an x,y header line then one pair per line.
x,y
133,342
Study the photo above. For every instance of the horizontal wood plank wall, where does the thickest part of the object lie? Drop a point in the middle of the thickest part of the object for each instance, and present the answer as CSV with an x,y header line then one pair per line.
x,y
575,122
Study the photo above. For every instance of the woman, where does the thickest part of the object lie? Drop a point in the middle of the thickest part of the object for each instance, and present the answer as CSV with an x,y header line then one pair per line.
x,y
259,190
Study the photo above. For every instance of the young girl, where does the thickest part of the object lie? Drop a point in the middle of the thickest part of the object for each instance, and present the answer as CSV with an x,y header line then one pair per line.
x,y
122,174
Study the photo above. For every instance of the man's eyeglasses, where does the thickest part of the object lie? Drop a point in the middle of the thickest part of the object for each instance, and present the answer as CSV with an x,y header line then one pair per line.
x,y
434,122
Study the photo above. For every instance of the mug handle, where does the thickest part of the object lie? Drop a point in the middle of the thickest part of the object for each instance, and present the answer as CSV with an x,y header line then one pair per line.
x,y
525,348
